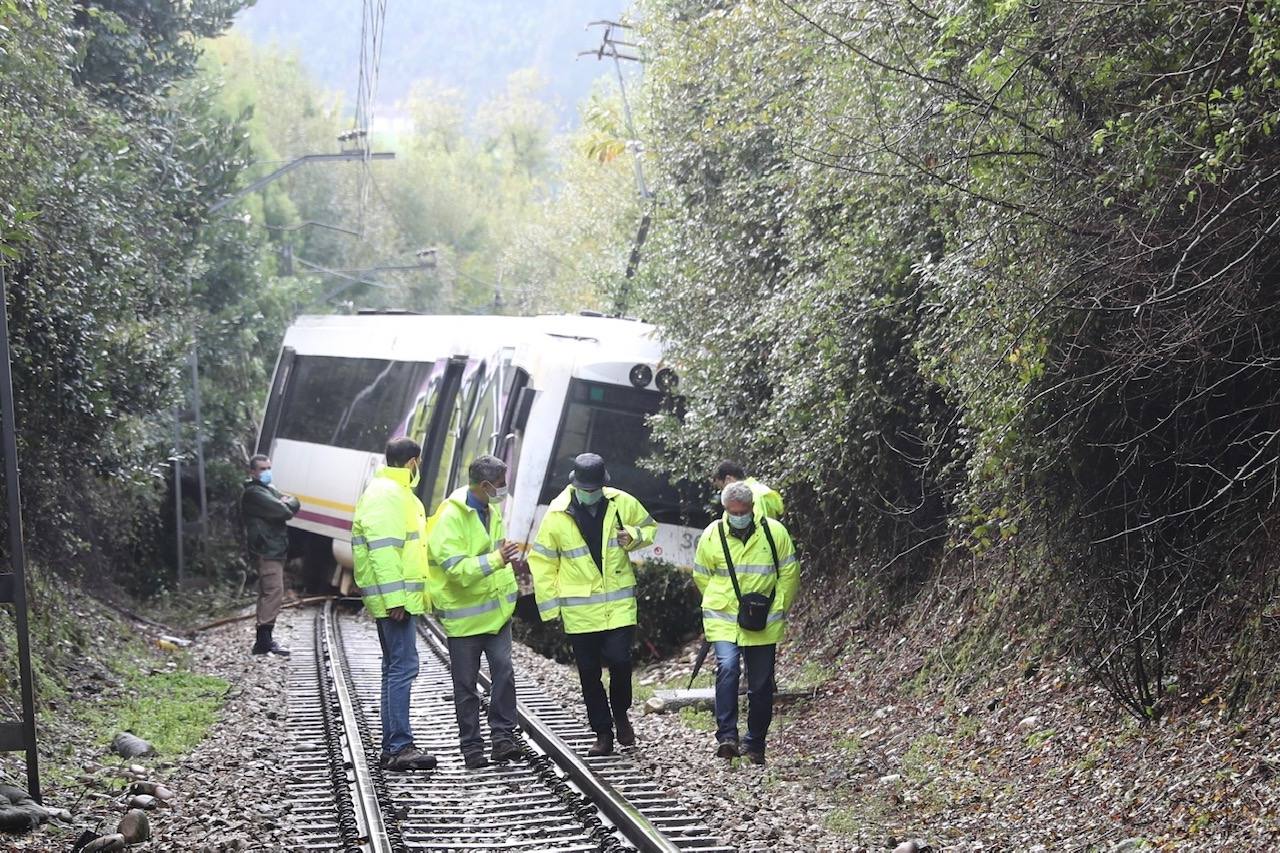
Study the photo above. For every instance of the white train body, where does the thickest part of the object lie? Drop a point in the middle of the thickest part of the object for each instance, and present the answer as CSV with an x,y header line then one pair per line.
x,y
534,391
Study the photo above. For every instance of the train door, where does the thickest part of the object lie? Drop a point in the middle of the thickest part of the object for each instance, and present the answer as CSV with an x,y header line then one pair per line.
x,y
436,438
275,400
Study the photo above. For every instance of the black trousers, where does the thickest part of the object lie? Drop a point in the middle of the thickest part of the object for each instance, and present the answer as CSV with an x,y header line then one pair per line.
x,y
592,652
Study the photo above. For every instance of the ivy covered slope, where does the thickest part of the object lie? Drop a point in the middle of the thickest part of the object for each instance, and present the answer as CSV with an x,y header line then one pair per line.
x,y
986,278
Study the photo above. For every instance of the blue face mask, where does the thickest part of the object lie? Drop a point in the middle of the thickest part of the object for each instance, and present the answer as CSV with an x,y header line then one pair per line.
x,y
740,522
265,477
588,498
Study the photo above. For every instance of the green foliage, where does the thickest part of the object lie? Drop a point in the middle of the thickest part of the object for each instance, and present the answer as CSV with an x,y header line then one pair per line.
x,y
981,275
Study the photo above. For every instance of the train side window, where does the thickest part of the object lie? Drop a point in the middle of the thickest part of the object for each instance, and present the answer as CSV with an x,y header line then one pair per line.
x,y
355,403
510,429
424,406
450,447
467,403
478,436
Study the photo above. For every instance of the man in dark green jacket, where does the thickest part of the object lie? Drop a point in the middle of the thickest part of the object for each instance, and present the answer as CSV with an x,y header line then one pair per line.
x,y
266,512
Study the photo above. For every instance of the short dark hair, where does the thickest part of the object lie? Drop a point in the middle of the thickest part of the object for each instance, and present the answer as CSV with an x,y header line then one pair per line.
x,y
256,458
401,449
485,469
729,468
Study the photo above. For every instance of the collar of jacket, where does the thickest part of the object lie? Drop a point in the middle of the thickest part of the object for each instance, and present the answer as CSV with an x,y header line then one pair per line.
x,y
400,476
564,501
756,522
459,496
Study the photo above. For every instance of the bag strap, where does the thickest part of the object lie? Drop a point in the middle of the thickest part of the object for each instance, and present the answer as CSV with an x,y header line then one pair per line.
x,y
773,549
728,561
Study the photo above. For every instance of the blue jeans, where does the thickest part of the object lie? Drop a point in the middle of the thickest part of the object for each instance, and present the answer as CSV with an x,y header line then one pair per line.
x,y
399,642
759,660
464,666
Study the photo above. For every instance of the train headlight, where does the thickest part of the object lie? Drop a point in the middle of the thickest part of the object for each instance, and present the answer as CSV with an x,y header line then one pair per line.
x,y
641,375
667,380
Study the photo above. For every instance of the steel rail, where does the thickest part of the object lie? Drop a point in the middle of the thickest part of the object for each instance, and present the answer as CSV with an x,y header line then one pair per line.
x,y
634,826
365,797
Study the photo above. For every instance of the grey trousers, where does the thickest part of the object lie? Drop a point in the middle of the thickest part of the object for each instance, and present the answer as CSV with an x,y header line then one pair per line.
x,y
270,589
464,665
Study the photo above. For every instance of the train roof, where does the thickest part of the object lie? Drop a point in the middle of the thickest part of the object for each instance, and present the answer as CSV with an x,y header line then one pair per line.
x,y
427,337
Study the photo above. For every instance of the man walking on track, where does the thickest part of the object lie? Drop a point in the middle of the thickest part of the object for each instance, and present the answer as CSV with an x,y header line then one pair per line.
x,y
582,573
388,540
473,591
265,511
747,571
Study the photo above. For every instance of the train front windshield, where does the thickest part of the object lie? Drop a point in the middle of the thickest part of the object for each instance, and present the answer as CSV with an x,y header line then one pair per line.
x,y
610,420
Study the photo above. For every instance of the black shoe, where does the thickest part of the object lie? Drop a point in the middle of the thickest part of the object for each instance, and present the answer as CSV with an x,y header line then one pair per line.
x,y
602,746
264,645
475,760
754,757
727,749
504,750
626,732
410,758
383,760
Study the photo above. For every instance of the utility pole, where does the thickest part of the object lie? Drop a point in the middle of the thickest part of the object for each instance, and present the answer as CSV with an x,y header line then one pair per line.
x,y
609,45
20,735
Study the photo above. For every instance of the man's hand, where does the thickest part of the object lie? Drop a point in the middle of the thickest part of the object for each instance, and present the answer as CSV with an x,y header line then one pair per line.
x,y
510,552
397,614
624,539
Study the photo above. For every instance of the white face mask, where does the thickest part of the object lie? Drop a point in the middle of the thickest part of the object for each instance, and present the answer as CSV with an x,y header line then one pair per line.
x,y
740,522
499,495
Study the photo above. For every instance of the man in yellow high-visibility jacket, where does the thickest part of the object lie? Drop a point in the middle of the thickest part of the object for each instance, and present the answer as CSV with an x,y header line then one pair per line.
x,y
388,543
742,554
473,592
767,500
582,573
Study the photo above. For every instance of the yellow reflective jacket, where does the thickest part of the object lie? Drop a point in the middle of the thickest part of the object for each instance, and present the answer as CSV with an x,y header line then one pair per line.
x,y
566,580
388,541
753,564
767,500
471,591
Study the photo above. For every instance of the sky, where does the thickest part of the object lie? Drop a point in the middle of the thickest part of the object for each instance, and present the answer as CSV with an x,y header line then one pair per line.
x,y
471,45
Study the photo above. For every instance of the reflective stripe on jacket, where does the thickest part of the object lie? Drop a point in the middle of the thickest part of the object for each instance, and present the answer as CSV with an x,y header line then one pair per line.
x,y
388,541
471,591
567,583
767,500
753,564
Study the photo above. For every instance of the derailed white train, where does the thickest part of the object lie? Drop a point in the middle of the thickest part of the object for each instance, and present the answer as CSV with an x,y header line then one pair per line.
x,y
534,391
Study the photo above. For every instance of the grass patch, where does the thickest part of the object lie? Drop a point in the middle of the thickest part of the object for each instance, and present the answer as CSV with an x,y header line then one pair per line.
x,y
172,710
698,720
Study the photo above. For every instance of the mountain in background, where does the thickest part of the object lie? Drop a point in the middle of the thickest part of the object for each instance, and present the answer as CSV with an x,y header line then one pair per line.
x,y
470,45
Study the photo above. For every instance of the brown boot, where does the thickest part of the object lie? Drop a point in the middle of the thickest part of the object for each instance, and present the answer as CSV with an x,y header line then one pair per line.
x,y
626,732
602,746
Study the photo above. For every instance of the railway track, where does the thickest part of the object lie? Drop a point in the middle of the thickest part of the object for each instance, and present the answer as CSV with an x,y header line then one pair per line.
x,y
552,799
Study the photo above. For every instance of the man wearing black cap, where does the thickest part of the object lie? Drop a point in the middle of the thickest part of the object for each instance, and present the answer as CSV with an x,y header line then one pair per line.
x,y
582,573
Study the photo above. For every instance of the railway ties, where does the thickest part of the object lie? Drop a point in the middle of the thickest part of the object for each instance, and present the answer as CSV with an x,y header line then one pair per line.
x,y
553,799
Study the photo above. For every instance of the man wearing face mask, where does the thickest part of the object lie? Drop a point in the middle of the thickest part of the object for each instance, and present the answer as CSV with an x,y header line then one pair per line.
x,y
388,543
582,573
767,500
747,570
265,511
473,592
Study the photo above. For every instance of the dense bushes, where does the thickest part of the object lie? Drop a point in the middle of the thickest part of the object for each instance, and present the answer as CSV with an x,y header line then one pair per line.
x,y
982,275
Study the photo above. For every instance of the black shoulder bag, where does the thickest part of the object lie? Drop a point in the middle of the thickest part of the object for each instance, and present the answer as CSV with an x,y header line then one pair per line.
x,y
753,608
